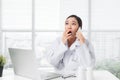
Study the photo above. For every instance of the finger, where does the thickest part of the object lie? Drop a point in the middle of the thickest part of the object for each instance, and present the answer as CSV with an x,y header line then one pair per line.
x,y
67,31
79,33
70,34
66,35
69,37
77,36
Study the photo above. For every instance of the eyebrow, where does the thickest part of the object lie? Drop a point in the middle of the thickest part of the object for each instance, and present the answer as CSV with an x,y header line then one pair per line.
x,y
74,21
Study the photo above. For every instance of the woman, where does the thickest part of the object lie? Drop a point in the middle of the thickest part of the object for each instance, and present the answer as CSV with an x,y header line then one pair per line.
x,y
71,50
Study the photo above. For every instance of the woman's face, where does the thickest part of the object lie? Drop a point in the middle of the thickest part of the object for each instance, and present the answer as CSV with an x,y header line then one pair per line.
x,y
71,25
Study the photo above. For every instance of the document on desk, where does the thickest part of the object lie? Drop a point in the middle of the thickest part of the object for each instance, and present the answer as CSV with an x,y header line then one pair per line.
x,y
49,75
52,76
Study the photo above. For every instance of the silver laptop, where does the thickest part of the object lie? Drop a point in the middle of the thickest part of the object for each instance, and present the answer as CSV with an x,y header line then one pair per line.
x,y
25,65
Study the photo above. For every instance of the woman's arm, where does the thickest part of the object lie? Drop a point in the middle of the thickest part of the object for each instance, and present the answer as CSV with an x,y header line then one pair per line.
x,y
56,52
86,54
86,51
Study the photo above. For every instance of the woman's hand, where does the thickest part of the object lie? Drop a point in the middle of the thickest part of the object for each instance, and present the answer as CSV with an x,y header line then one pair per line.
x,y
66,35
80,37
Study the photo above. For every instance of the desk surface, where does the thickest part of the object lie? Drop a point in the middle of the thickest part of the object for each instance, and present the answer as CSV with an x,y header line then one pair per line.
x,y
98,75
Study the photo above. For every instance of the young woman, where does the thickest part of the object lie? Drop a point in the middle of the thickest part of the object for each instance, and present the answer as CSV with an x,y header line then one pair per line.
x,y
71,50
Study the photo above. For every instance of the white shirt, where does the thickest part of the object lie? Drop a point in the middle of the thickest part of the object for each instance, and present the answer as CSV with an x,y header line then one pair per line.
x,y
69,59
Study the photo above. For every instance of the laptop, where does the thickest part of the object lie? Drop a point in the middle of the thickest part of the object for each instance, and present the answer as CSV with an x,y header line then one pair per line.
x,y
24,64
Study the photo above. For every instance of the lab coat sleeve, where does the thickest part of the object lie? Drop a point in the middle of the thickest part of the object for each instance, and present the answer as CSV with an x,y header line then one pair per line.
x,y
56,53
86,55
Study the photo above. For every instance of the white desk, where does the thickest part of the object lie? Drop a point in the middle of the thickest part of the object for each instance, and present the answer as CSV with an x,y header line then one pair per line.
x,y
98,75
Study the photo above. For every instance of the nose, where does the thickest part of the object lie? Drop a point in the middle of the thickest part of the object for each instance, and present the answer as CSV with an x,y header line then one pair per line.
x,y
69,26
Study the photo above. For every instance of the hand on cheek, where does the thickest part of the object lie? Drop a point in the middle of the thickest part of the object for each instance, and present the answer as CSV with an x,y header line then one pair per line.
x,y
80,37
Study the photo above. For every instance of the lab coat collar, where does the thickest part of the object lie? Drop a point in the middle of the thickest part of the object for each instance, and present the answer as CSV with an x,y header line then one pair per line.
x,y
74,45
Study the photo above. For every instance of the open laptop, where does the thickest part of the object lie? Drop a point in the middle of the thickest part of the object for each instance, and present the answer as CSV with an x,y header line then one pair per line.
x,y
25,65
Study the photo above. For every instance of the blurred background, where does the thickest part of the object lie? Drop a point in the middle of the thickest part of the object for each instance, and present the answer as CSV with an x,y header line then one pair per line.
x,y
34,24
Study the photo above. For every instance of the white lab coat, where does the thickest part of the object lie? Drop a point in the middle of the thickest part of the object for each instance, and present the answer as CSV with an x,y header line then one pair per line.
x,y
69,59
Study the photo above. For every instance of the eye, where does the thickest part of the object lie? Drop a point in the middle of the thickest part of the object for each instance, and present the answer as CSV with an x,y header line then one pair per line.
x,y
66,23
73,23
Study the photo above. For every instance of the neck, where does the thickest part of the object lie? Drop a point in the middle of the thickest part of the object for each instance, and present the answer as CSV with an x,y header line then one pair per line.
x,y
70,41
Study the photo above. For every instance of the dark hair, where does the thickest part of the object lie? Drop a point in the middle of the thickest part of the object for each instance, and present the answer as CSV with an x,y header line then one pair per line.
x,y
78,20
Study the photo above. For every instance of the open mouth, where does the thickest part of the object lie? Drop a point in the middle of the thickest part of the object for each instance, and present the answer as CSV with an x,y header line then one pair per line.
x,y
69,32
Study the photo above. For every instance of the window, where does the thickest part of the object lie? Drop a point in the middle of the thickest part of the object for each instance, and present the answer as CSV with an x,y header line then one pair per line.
x,y
15,28
105,28
16,14
105,15
16,24
47,14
